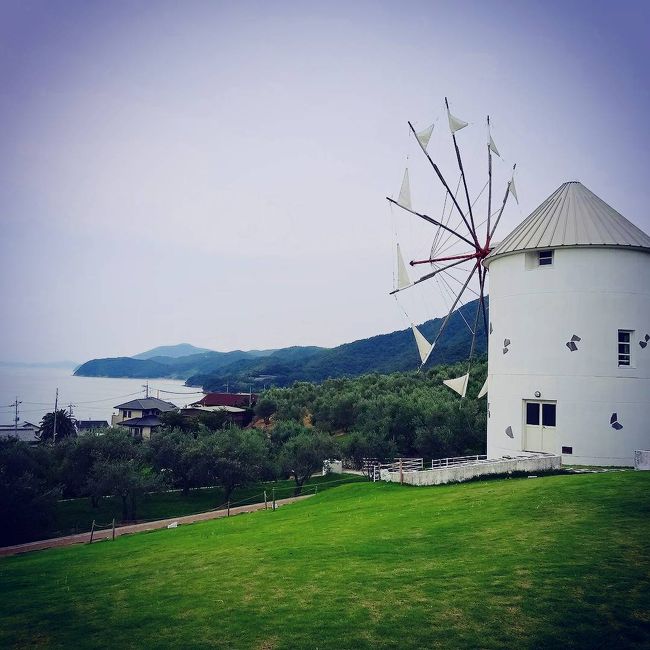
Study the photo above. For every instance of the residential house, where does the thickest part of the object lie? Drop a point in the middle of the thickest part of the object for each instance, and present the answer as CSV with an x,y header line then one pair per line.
x,y
25,431
141,416
88,426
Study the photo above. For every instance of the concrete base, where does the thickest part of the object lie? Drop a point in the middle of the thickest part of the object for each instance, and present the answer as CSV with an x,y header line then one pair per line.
x,y
460,473
642,459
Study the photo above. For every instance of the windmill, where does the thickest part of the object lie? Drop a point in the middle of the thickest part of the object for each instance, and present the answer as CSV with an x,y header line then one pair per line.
x,y
462,239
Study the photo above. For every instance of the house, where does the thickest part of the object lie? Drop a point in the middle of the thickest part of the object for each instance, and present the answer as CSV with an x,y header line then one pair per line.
x,y
141,416
569,346
25,431
239,400
86,426
239,416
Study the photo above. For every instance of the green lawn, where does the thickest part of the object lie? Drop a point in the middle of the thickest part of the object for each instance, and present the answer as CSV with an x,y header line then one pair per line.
x,y
553,562
76,515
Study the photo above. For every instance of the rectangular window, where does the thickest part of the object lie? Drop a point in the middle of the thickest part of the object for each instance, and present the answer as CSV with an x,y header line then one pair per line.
x,y
532,413
545,258
624,347
567,450
548,415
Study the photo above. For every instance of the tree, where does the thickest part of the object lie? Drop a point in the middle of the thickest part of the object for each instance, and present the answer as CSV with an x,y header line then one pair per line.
x,y
27,504
265,408
235,457
65,426
302,455
180,455
126,479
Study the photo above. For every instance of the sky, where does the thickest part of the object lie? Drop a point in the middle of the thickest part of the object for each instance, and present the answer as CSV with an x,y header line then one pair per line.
x,y
216,172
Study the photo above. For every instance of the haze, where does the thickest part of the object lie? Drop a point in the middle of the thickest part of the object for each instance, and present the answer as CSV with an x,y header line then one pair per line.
x,y
215,172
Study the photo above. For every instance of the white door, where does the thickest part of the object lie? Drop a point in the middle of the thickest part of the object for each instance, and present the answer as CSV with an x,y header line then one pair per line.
x,y
539,426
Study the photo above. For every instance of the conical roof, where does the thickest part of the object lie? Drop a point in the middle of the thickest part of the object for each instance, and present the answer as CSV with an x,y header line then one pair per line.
x,y
572,216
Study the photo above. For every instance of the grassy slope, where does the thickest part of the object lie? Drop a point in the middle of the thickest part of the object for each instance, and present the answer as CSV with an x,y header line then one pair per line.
x,y
76,515
549,562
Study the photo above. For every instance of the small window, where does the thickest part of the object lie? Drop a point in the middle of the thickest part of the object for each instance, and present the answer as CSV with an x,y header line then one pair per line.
x,y
545,258
567,450
532,413
548,415
624,347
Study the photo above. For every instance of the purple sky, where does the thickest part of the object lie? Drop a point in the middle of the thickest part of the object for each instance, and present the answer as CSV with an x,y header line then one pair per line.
x,y
215,172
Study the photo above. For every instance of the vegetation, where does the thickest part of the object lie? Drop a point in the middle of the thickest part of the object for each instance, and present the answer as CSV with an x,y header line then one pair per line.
x,y
552,562
56,427
394,352
373,416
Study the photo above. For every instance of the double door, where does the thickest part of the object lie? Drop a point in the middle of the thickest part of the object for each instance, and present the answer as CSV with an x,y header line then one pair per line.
x,y
540,426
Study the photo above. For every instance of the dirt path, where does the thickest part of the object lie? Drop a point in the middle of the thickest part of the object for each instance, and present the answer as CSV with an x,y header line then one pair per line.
x,y
138,528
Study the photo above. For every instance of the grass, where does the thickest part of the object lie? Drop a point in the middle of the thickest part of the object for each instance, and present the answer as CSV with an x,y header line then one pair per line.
x,y
554,562
76,515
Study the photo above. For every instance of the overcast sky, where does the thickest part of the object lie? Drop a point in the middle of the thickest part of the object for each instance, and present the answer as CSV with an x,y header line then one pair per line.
x,y
215,172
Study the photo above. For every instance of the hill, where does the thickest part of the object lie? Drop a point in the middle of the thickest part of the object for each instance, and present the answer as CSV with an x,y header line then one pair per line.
x,y
553,562
384,353
173,351
240,369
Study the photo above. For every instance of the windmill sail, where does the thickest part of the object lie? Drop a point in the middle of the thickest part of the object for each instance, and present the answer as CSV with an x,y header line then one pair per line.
x,y
455,124
404,197
424,136
459,384
424,347
493,147
513,189
484,390
403,279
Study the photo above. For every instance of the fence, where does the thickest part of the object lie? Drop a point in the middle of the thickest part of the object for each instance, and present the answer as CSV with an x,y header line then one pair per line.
x,y
457,460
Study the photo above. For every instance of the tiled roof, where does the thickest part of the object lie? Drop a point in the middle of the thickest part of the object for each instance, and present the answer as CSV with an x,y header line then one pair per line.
x,y
147,403
572,216
146,421
227,399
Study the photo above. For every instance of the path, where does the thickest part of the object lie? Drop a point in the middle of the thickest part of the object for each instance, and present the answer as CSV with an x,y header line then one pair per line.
x,y
138,528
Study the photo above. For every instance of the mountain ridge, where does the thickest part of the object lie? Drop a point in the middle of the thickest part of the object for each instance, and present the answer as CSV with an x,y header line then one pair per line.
x,y
241,369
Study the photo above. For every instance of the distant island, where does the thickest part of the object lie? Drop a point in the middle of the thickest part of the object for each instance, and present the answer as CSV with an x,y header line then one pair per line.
x,y
243,369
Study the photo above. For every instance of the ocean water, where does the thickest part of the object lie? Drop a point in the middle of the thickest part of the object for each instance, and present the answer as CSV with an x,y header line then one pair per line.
x,y
93,398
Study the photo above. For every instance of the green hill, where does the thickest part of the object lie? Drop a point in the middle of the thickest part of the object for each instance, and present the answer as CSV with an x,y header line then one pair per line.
x,y
240,369
173,351
552,562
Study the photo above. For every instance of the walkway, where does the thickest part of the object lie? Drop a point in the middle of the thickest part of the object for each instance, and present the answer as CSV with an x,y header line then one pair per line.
x,y
138,528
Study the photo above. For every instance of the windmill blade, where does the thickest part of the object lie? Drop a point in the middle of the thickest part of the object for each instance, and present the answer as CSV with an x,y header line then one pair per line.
x,y
430,220
503,205
403,280
462,171
428,276
459,384
453,306
446,186
404,198
424,347
484,389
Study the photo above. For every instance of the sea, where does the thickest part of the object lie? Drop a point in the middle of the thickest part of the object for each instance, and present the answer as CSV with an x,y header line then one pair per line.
x,y
92,398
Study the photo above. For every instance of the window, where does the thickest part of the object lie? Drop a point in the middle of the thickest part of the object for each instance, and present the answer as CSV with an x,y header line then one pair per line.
x,y
624,347
545,258
567,450
532,413
548,415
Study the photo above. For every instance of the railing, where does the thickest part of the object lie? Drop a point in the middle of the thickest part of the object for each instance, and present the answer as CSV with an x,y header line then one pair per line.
x,y
404,465
439,463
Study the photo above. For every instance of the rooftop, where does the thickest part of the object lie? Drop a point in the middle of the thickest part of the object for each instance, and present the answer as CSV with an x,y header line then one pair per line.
x,y
147,403
572,216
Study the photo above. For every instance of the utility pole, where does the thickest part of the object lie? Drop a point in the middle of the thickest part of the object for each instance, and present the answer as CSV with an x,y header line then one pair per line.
x,y
146,388
56,406
15,405
70,407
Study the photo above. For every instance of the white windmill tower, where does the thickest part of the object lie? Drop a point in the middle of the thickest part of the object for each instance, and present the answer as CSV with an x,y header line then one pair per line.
x,y
569,347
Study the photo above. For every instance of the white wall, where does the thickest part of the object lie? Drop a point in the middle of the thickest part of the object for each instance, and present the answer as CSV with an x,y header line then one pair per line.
x,y
590,292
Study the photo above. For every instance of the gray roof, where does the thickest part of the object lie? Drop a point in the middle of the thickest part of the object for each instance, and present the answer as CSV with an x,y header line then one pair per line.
x,y
572,216
147,403
146,421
